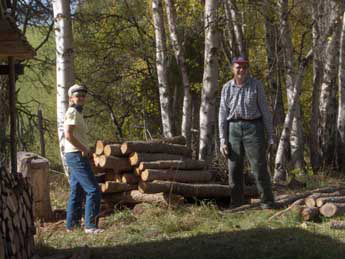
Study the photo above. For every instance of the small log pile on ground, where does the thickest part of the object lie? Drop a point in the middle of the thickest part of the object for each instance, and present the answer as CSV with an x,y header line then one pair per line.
x,y
157,171
16,218
328,202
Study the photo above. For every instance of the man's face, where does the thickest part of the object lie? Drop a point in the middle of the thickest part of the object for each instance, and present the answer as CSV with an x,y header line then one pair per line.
x,y
240,71
78,98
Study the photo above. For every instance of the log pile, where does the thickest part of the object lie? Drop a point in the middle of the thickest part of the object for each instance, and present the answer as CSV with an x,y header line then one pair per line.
x,y
158,171
16,218
328,202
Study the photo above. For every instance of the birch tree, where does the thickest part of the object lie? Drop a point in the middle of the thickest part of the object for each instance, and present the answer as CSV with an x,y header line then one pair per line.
x,y
64,66
210,81
233,14
328,108
341,105
161,64
180,60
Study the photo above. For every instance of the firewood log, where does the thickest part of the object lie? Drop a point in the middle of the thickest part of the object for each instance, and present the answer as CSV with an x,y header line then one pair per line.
x,y
95,159
112,186
112,150
172,140
187,164
184,176
188,190
336,224
135,158
118,164
332,209
321,201
147,147
100,144
310,214
130,178
310,201
134,197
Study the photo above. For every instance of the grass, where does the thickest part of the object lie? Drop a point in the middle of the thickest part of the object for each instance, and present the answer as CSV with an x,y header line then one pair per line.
x,y
193,231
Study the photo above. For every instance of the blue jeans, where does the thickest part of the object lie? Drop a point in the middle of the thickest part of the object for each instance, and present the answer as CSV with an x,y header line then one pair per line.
x,y
82,181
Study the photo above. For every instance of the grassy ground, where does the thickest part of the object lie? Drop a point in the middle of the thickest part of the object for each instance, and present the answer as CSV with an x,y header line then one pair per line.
x,y
194,231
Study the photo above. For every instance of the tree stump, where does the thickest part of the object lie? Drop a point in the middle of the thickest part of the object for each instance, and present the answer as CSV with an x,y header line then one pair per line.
x,y
35,168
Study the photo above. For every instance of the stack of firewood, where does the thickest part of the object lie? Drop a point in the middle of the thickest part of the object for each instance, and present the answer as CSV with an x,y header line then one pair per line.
x,y
16,218
158,170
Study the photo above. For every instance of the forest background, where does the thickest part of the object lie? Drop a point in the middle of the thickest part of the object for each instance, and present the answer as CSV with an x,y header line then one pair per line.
x,y
296,48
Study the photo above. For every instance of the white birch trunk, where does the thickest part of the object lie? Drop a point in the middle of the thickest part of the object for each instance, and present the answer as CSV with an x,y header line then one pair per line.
x,y
180,60
161,64
231,7
328,108
230,31
317,13
341,105
210,81
64,66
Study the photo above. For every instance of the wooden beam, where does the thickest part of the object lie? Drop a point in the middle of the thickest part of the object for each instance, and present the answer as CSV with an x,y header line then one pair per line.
x,y
19,69
13,114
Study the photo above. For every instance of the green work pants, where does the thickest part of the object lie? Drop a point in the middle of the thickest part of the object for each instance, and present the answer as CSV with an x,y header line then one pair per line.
x,y
248,137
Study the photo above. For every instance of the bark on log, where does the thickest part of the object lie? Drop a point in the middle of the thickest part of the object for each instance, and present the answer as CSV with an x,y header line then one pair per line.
x,y
173,140
184,176
321,201
332,209
100,144
310,201
135,158
188,190
112,150
186,164
118,164
112,186
146,147
130,178
135,197
310,214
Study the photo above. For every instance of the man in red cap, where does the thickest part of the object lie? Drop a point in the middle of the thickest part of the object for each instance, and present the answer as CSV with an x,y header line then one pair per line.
x,y
243,118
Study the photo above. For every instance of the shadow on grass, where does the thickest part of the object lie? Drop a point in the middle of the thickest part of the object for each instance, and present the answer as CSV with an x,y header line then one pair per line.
x,y
289,243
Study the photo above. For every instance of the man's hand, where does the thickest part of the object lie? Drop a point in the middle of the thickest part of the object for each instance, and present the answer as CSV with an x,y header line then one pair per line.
x,y
224,150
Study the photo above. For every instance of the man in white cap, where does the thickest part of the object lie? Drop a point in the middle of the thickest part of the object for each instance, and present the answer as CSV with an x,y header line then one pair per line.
x,y
82,179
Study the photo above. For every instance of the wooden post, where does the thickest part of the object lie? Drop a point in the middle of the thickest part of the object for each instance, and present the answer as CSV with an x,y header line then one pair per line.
x,y
41,130
13,113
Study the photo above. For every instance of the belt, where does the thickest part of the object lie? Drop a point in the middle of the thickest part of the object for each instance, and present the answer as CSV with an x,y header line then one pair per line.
x,y
249,120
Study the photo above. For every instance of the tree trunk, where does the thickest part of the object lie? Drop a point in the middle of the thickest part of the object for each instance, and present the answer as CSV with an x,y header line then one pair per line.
x,y
328,108
161,64
173,164
183,176
146,147
231,7
4,119
210,81
180,60
64,66
315,154
341,103
135,158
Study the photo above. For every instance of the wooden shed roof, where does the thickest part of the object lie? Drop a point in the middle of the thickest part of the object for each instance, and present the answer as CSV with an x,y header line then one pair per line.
x,y
12,41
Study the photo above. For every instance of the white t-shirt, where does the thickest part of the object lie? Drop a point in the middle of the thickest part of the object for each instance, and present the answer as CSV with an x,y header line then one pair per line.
x,y
73,117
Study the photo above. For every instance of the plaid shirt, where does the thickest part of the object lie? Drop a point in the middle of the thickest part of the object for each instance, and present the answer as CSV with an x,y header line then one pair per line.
x,y
247,102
